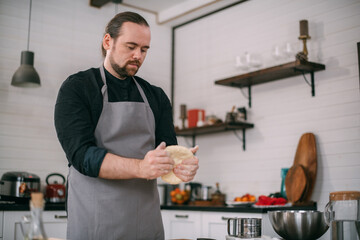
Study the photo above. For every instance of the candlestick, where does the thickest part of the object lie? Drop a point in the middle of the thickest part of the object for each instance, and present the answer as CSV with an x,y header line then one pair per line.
x,y
182,111
304,35
183,114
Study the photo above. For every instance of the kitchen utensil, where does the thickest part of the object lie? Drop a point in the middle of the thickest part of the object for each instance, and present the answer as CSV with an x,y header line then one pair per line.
x,y
17,186
244,227
342,214
295,183
55,192
298,225
306,156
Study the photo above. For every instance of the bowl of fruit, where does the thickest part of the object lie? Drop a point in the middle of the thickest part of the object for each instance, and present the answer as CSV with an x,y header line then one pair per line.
x,y
179,196
244,200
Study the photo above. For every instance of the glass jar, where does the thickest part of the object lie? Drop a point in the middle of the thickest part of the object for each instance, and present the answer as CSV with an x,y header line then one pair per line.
x,y
342,213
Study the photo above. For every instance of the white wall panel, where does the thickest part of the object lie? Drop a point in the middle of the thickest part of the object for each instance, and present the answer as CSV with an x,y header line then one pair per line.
x,y
66,37
283,110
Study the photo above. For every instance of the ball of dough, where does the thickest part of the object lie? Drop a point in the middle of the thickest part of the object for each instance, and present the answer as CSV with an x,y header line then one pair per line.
x,y
178,154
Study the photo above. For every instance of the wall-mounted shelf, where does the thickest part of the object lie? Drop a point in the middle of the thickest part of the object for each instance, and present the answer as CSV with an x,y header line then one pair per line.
x,y
275,73
219,127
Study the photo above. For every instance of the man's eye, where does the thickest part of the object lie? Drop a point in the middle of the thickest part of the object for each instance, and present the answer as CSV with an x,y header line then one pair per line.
x,y
131,47
144,50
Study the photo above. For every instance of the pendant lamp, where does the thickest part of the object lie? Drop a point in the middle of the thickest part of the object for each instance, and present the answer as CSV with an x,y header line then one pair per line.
x,y
26,75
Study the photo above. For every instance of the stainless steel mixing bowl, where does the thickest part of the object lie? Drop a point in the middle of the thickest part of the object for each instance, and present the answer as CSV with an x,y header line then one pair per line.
x,y
298,225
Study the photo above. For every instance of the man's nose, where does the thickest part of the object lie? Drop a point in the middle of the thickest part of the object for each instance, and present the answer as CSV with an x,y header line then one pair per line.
x,y
137,54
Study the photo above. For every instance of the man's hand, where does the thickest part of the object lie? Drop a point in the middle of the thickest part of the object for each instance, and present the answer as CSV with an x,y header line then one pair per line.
x,y
187,169
156,163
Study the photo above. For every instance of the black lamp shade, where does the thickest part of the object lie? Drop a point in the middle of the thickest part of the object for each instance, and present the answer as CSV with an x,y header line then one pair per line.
x,y
26,75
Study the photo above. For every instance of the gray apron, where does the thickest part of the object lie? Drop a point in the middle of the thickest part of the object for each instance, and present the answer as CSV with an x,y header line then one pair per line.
x,y
117,209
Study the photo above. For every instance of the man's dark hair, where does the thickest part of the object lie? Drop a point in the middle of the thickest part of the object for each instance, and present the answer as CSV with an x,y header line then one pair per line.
x,y
114,26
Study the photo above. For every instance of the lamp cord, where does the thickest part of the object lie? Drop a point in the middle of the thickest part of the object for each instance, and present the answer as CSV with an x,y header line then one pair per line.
x,y
29,26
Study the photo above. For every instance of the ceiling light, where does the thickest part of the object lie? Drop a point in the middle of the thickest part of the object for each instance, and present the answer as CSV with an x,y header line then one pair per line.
x,y
26,75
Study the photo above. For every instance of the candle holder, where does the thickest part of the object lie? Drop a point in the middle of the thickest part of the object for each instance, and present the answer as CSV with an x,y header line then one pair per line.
x,y
304,36
183,115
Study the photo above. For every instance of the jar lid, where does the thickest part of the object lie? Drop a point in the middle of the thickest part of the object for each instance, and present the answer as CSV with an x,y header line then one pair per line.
x,y
344,195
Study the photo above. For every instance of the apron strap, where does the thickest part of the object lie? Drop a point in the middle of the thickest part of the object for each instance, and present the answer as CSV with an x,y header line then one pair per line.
x,y
104,92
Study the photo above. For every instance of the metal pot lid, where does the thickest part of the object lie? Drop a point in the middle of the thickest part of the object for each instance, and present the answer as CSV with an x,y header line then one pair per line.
x,y
20,176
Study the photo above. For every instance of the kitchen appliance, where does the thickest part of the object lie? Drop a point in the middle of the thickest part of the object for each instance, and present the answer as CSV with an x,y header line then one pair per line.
x,y
342,213
244,227
195,190
55,192
298,225
17,186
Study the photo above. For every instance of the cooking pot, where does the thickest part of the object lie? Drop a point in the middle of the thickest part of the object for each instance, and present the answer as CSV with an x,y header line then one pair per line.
x,y
55,192
17,186
244,227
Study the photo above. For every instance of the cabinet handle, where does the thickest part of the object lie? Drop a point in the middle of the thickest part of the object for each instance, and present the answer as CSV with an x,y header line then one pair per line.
x,y
60,217
224,218
181,216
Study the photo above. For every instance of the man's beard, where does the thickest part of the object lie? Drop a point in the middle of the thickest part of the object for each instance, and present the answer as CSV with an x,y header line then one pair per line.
x,y
122,71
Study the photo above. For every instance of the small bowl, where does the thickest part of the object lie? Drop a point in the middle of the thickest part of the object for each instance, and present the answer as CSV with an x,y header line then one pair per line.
x,y
298,225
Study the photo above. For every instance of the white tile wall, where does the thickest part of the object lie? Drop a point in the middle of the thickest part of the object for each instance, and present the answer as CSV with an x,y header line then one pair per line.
x,y
283,110
66,37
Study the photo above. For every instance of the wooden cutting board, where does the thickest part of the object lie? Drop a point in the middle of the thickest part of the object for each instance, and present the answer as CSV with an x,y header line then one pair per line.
x,y
296,183
306,156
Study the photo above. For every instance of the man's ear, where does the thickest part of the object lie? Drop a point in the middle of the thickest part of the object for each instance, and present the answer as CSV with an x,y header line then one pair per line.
x,y
107,41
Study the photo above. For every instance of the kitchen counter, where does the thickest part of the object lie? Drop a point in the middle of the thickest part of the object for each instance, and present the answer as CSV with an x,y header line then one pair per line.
x,y
12,206
245,209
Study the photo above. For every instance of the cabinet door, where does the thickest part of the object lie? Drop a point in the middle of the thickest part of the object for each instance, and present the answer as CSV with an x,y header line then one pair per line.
x,y
54,224
182,224
214,224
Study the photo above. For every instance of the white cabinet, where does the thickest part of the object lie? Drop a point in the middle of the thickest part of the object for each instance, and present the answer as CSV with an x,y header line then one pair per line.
x,y
54,224
214,224
199,224
1,224
181,224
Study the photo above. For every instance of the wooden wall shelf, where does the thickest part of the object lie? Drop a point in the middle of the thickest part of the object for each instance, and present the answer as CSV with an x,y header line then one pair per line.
x,y
219,127
275,73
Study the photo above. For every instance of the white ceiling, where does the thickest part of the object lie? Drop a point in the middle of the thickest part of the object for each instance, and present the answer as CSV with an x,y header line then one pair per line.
x,y
174,12
154,5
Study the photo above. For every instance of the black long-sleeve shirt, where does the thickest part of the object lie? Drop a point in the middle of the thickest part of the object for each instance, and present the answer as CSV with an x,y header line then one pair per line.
x,y
78,108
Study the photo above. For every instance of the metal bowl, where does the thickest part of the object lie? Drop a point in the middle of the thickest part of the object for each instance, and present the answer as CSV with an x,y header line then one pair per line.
x,y
298,225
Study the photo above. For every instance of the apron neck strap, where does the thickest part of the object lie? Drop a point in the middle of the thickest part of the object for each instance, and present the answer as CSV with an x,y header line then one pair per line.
x,y
102,73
